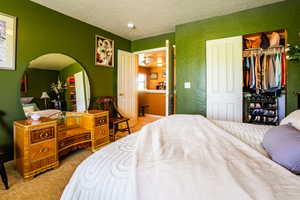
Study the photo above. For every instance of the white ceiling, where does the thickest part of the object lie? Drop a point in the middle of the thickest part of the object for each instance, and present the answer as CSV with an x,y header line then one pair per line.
x,y
151,17
52,61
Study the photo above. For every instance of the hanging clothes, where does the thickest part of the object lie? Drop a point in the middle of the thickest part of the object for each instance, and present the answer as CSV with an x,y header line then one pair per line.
x,y
252,72
265,70
277,70
272,71
246,69
283,71
257,73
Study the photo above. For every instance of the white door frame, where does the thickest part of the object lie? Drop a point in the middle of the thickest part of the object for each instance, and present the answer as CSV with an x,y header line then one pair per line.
x,y
167,72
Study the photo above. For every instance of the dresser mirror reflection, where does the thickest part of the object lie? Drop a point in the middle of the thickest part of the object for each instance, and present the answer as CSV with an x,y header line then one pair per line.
x,y
53,84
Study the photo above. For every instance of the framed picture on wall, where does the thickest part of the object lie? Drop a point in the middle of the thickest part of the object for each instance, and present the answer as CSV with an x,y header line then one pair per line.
x,y
7,41
104,53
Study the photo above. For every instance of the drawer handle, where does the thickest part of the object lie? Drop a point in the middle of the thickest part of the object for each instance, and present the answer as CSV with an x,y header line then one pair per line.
x,y
44,135
44,150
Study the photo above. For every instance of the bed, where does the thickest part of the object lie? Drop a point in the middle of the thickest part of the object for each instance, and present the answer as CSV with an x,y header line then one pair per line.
x,y
184,157
31,109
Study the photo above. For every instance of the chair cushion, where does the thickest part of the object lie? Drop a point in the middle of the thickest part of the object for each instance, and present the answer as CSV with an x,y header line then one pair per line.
x,y
282,143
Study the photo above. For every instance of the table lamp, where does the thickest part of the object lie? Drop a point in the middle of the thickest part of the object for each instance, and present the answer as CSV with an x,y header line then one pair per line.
x,y
45,96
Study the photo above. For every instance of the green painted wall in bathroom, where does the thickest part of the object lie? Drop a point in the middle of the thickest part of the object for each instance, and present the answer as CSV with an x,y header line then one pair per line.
x,y
40,31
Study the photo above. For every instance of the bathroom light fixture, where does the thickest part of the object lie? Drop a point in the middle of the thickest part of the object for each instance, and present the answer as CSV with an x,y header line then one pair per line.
x,y
131,26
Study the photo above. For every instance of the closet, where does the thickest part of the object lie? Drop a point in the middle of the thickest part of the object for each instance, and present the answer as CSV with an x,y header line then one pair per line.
x,y
246,78
264,77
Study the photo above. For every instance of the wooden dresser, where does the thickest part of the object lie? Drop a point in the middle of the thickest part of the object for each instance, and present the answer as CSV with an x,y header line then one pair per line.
x,y
98,123
35,146
39,144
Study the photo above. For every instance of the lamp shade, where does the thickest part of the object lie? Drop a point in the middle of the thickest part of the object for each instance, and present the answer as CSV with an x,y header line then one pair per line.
x,y
45,95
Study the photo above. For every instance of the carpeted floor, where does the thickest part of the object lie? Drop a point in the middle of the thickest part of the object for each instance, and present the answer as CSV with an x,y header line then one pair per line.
x,y
50,185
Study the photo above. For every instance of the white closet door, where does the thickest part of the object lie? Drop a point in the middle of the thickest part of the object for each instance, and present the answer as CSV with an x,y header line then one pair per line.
x,y
80,94
225,79
127,85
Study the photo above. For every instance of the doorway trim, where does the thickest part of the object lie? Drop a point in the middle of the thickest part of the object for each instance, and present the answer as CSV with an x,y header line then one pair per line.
x,y
167,71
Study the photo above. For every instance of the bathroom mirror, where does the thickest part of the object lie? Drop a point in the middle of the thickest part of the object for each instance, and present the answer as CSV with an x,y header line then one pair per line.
x,y
54,83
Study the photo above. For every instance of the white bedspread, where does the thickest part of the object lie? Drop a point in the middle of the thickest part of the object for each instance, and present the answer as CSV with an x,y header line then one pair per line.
x,y
181,157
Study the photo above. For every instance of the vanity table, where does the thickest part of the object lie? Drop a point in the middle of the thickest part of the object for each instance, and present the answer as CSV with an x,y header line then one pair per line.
x,y
39,145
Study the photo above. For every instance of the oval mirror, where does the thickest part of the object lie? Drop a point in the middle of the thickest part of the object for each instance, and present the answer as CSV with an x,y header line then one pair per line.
x,y
54,83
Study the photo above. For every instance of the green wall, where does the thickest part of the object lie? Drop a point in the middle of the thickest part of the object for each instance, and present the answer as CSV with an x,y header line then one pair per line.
x,y
152,42
190,46
41,31
39,81
69,71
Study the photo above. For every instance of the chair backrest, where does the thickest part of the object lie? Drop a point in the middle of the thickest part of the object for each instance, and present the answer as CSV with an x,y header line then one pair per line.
x,y
108,103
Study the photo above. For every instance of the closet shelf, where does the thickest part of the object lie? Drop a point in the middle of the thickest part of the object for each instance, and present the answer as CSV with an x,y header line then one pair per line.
x,y
263,123
264,115
261,49
251,109
265,102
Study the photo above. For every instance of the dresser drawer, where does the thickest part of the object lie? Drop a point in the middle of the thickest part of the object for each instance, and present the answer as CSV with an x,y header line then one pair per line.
x,y
101,131
101,141
41,134
42,150
69,141
99,121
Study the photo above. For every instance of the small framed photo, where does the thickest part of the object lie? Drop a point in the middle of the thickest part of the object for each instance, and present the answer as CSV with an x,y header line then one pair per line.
x,y
153,76
104,52
7,42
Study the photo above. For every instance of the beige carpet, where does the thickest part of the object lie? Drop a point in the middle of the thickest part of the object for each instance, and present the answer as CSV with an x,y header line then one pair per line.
x,y
50,185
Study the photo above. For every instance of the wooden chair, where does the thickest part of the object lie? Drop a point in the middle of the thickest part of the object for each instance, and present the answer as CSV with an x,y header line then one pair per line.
x,y
2,171
115,117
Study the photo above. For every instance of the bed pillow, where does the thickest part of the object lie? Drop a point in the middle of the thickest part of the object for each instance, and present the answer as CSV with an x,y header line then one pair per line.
x,y
28,109
293,119
282,143
35,107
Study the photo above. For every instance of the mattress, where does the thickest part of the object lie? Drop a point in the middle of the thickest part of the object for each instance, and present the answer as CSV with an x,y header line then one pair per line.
x,y
250,134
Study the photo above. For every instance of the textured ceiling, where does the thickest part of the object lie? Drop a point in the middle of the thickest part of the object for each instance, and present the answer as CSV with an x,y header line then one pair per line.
x,y
151,17
52,61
